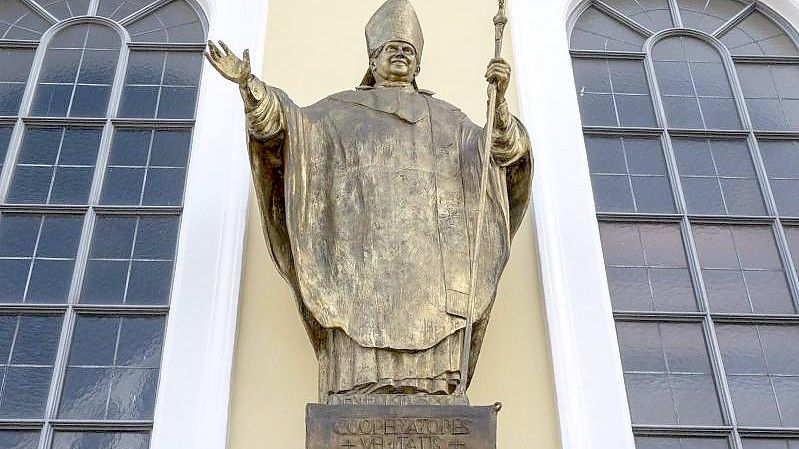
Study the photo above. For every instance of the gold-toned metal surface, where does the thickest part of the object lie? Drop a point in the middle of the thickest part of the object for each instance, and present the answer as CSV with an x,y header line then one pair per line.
x,y
370,200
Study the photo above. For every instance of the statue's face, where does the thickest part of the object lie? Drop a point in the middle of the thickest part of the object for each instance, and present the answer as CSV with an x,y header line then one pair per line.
x,y
395,62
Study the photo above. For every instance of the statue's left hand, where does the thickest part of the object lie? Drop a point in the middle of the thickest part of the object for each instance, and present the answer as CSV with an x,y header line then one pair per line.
x,y
228,64
498,73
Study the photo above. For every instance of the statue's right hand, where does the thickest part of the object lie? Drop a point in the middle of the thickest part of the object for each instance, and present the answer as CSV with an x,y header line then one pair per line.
x,y
228,64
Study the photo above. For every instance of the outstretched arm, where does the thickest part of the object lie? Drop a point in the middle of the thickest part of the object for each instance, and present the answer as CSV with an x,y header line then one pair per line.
x,y
510,140
265,119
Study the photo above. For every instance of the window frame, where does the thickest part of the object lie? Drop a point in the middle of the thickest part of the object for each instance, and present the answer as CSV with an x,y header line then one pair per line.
x,y
192,402
192,407
590,391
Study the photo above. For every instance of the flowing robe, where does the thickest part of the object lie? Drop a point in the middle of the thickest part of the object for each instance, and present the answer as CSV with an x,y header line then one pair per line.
x,y
369,202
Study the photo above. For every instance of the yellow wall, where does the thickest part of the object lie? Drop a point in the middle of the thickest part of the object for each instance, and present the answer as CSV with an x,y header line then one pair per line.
x,y
314,48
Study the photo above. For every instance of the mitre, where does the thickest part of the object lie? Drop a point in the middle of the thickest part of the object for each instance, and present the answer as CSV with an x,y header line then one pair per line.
x,y
395,20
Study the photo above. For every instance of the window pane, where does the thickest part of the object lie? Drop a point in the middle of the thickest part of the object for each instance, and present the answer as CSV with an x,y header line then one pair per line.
x,y
174,22
762,372
119,9
742,270
708,15
652,14
27,364
19,439
77,73
56,166
113,368
770,443
20,22
646,267
629,175
147,167
130,260
100,440
681,443
758,35
161,84
597,31
64,9
5,138
772,94
781,158
694,85
718,177
37,253
668,374
16,65
613,93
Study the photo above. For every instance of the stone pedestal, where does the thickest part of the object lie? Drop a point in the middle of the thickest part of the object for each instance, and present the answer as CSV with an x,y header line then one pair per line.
x,y
400,427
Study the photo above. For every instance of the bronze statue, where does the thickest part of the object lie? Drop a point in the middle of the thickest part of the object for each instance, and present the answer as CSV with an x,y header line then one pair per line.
x,y
370,201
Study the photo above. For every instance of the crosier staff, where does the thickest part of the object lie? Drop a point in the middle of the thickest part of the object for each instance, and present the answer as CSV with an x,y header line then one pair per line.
x,y
500,19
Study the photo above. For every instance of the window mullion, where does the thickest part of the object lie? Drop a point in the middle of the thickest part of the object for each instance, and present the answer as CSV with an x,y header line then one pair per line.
x,y
734,20
676,14
14,147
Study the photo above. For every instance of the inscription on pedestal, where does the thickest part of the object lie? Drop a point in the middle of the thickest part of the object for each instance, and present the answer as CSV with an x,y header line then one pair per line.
x,y
400,427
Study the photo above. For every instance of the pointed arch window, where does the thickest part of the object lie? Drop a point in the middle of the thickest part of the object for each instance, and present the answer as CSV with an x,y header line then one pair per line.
x,y
690,111
97,106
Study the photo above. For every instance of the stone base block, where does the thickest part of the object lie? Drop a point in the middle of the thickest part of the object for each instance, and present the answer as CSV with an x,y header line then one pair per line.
x,y
400,426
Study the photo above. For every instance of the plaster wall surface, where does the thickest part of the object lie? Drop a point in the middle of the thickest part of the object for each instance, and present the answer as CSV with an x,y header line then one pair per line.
x,y
314,48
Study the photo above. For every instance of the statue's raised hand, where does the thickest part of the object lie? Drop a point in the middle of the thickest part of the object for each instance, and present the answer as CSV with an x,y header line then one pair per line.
x,y
228,64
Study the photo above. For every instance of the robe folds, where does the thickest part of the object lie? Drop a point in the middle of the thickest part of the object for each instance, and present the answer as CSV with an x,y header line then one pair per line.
x,y
369,200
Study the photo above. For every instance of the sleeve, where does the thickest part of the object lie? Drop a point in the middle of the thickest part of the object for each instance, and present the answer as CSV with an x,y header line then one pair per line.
x,y
265,118
511,142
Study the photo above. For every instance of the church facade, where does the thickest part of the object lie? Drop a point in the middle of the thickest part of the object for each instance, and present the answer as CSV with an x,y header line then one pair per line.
x,y
651,299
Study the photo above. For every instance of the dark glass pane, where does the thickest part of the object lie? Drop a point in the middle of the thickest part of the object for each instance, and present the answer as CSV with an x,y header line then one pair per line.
x,y
36,340
170,148
16,63
98,67
612,193
652,14
113,238
668,375
596,31
182,69
138,101
758,35
94,341
119,9
100,440
706,15
122,185
30,185
681,443
90,101
156,238
18,234
40,146
150,282
71,185
140,342
105,282
130,147
51,100
25,392
635,110
164,187
60,66
19,439
50,281
13,279
742,269
597,110
177,102
10,97
145,67
174,22
85,393
80,146
683,112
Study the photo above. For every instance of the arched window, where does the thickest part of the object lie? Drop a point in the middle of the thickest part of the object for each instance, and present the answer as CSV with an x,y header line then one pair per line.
x,y
97,102
690,111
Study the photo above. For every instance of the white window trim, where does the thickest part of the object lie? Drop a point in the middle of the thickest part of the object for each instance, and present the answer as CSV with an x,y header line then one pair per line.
x,y
193,400
589,384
